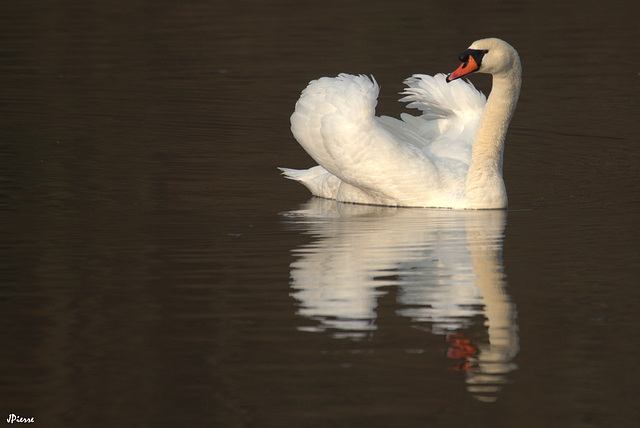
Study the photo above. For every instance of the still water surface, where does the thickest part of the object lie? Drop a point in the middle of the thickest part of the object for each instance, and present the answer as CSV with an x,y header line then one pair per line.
x,y
155,270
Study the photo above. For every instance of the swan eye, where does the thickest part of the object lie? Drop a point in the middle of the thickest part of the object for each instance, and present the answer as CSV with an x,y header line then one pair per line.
x,y
464,56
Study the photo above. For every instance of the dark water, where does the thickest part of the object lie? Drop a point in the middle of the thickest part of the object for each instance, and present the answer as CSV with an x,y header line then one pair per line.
x,y
157,271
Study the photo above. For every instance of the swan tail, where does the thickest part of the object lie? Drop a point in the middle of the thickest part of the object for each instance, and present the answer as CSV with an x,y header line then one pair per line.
x,y
317,179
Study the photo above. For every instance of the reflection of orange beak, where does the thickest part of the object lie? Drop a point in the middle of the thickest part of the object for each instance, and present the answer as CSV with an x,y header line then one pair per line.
x,y
461,348
465,68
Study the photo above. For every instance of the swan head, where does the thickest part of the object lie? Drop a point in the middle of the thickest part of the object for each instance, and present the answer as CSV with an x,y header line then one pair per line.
x,y
491,56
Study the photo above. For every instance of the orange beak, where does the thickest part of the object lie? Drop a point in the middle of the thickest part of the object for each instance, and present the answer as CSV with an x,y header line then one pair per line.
x,y
465,68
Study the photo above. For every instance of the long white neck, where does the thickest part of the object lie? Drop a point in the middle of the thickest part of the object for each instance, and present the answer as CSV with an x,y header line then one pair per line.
x,y
485,185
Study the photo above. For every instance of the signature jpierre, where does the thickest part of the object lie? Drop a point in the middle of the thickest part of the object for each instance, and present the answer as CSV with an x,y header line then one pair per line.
x,y
19,419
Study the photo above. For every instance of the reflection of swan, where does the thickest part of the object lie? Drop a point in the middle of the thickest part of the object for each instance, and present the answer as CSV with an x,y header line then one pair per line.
x,y
445,264
451,156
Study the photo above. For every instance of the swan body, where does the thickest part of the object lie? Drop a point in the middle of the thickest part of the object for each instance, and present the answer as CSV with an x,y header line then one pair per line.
x,y
448,157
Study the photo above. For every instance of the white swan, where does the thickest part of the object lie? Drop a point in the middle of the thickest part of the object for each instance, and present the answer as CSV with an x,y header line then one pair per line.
x,y
449,157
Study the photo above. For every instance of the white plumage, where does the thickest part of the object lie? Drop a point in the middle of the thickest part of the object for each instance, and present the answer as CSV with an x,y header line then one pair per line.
x,y
419,161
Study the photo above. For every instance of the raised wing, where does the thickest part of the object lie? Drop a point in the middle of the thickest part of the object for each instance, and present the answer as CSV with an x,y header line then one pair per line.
x,y
449,120
335,123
